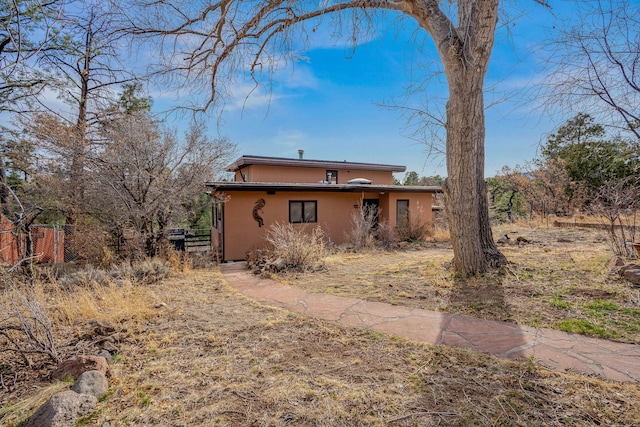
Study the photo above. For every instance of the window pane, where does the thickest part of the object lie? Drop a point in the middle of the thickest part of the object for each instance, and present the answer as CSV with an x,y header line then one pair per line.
x,y
309,211
295,212
402,211
332,177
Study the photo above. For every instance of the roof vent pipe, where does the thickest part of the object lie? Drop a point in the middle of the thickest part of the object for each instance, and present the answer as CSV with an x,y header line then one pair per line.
x,y
300,154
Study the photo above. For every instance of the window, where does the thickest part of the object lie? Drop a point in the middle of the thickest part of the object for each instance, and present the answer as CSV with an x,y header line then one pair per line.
x,y
332,177
402,212
302,211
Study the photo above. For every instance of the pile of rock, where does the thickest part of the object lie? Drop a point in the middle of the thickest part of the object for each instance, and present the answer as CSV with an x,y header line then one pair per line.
x,y
66,408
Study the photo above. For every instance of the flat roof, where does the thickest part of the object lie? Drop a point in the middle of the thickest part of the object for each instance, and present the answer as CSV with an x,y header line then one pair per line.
x,y
346,188
309,163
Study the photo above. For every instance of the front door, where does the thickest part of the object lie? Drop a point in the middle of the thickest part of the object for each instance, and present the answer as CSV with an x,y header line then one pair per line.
x,y
371,207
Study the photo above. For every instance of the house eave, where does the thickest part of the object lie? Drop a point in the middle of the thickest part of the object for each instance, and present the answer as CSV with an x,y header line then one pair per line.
x,y
318,187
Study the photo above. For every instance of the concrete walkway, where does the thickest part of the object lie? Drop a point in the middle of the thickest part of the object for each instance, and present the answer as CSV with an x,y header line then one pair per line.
x,y
550,348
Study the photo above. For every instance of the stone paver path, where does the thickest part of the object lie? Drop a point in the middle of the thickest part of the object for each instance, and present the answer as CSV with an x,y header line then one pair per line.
x,y
552,349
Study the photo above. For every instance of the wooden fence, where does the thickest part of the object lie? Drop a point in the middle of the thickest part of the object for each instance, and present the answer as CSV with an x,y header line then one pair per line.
x,y
47,243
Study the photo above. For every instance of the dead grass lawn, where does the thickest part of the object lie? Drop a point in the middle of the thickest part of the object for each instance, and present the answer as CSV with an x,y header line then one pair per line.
x,y
560,280
211,357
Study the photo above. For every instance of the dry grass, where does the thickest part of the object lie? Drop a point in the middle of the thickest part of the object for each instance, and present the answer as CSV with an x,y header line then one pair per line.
x,y
211,357
560,275
113,303
298,248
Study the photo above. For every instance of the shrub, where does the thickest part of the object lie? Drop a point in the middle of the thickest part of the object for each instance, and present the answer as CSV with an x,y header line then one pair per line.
x,y
296,248
415,228
25,327
363,221
147,271
386,235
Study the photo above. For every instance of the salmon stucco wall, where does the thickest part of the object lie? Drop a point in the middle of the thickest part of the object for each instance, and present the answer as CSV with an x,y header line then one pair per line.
x,y
245,231
420,205
261,173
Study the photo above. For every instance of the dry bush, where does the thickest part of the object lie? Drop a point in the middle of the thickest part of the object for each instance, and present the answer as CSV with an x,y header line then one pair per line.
x,y
297,248
386,235
114,302
146,271
441,234
363,221
414,229
25,327
35,308
88,243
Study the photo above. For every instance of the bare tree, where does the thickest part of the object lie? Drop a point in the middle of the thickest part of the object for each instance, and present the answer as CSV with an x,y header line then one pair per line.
x,y
212,43
598,63
617,202
26,30
84,67
147,175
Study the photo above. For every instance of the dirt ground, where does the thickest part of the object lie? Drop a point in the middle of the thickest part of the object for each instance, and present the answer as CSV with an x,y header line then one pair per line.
x,y
201,354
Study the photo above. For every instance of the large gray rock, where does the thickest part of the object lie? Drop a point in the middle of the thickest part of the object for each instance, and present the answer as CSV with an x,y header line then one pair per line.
x,y
630,272
74,367
91,382
63,410
633,274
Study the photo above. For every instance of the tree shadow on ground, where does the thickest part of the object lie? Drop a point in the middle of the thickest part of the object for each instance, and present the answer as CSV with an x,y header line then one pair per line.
x,y
480,296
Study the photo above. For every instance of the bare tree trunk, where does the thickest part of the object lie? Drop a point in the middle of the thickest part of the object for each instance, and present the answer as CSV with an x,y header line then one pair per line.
x,y
77,173
465,62
4,192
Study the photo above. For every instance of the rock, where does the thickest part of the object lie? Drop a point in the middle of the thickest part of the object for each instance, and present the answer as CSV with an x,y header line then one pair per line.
x,y
564,240
630,272
108,346
160,305
107,355
91,382
615,261
633,276
278,265
74,367
63,410
102,328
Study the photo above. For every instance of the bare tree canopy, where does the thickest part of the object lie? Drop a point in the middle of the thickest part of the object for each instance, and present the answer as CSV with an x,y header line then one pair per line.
x,y
598,63
148,175
26,30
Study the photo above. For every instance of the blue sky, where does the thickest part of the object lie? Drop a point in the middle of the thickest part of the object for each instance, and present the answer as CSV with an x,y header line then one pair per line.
x,y
328,103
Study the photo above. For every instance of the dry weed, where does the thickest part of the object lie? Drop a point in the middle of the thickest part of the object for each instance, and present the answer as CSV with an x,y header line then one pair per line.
x,y
14,413
296,247
363,221
440,234
415,228
111,302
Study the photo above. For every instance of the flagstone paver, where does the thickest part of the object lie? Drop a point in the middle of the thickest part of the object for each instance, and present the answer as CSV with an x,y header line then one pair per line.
x,y
553,349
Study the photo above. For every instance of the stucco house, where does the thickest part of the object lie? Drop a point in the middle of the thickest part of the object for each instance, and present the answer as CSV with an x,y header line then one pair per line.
x,y
304,192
